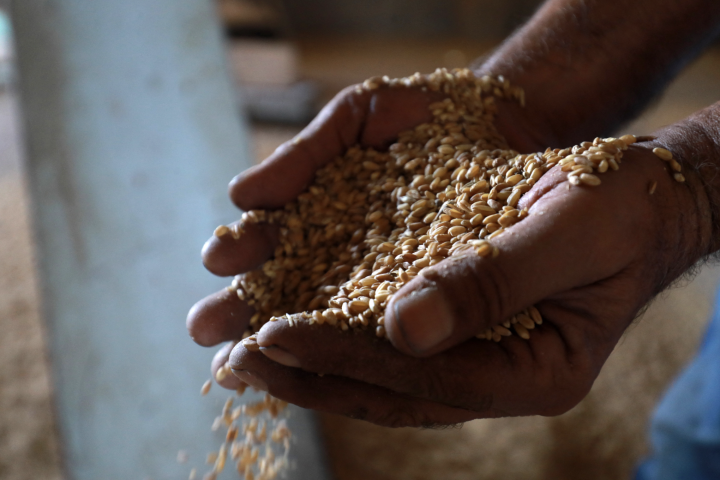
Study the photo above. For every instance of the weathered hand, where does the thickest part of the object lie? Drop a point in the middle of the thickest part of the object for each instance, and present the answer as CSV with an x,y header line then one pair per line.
x,y
353,117
589,258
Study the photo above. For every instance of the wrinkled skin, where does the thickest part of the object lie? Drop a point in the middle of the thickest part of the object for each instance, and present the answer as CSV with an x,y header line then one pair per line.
x,y
588,257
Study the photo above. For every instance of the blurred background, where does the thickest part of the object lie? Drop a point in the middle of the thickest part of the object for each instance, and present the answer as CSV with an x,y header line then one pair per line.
x,y
283,61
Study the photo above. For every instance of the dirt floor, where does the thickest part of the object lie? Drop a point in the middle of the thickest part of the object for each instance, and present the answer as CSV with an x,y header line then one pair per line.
x,y
602,438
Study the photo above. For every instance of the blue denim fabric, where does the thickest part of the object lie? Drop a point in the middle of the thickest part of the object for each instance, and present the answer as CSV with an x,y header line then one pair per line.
x,y
685,430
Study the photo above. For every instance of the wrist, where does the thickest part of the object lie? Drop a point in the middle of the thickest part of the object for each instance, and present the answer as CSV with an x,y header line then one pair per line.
x,y
697,201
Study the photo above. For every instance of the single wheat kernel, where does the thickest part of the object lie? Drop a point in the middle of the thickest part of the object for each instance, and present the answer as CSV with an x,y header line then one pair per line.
x,y
222,454
484,250
679,177
206,387
662,153
590,179
497,232
231,433
250,343
535,315
221,231
522,331
222,373
628,139
370,84
525,321
500,330
491,219
652,188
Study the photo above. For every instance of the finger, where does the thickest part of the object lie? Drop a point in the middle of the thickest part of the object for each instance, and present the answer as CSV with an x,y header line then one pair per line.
x,y
513,377
226,255
558,247
218,318
226,380
344,396
369,118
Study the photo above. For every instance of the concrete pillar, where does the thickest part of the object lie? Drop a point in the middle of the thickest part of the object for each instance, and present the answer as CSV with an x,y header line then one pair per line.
x,y
132,135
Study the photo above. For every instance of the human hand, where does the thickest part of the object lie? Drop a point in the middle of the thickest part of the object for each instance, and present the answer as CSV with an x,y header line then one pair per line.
x,y
589,258
356,116
591,339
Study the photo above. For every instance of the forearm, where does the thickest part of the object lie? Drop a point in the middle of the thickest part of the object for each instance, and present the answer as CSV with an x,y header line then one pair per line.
x,y
589,65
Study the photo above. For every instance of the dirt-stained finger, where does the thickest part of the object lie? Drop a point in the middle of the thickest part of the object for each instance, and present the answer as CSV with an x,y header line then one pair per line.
x,y
218,318
225,378
227,255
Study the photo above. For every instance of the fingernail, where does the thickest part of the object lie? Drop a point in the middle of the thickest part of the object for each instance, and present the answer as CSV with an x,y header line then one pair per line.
x,y
251,379
283,357
423,319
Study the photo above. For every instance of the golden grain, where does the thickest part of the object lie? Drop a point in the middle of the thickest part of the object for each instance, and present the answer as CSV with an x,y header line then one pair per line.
x,y
662,153
628,139
525,321
372,220
500,330
522,331
250,343
206,387
221,231
222,373
590,179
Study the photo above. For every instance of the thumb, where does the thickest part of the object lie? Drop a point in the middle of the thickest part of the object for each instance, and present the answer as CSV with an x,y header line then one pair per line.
x,y
466,294
452,301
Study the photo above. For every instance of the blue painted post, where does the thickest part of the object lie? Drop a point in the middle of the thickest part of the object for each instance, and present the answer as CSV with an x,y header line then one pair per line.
x,y
132,135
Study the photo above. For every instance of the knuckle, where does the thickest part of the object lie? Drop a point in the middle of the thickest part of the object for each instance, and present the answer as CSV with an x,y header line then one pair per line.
x,y
350,92
354,98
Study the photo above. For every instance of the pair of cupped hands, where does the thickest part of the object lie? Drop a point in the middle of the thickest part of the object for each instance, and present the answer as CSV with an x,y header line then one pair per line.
x,y
588,258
